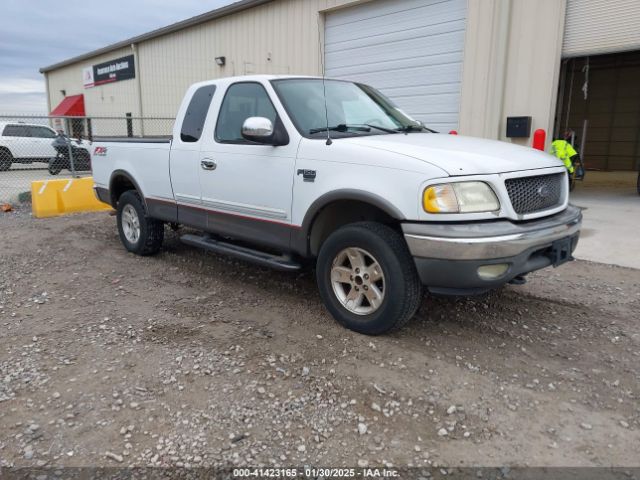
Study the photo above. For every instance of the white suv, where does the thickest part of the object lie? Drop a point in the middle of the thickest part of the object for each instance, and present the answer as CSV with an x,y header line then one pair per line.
x,y
25,143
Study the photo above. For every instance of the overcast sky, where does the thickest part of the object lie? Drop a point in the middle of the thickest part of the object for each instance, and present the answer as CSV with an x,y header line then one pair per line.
x,y
37,33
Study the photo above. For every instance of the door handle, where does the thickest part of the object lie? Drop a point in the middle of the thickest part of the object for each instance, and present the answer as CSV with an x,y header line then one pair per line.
x,y
208,164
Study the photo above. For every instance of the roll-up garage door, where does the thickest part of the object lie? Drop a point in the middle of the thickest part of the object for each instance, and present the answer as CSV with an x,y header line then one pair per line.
x,y
411,50
593,27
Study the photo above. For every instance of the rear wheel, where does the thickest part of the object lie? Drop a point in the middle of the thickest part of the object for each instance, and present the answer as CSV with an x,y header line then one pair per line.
x,y
367,278
6,159
139,233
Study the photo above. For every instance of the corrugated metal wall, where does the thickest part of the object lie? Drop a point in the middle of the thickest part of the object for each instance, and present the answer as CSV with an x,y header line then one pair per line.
x,y
277,37
601,26
511,64
111,99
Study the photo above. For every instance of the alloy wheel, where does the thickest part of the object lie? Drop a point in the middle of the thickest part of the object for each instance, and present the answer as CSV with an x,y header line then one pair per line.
x,y
130,224
358,281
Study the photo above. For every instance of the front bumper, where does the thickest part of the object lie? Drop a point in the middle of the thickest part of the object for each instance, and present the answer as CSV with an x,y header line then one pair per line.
x,y
448,255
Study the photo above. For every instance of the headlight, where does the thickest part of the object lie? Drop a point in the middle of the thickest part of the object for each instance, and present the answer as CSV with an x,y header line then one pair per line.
x,y
461,197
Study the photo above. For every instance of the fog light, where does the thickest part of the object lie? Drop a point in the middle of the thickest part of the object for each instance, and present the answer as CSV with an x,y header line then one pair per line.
x,y
491,272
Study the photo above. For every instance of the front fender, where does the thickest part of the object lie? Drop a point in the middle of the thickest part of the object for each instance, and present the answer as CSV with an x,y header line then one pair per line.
x,y
350,194
300,237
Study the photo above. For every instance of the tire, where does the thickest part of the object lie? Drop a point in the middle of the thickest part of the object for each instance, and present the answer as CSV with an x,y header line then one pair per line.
x,y
131,218
55,166
6,159
401,289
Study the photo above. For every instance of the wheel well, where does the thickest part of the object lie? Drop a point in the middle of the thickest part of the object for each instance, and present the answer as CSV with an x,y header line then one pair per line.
x,y
119,185
342,212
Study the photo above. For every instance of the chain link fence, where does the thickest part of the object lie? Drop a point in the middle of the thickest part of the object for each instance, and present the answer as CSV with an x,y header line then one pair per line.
x,y
44,147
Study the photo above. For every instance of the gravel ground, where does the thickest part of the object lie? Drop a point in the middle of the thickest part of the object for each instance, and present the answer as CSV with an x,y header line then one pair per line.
x,y
191,359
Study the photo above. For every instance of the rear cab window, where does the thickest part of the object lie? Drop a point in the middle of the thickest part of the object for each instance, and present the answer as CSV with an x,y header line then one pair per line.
x,y
196,114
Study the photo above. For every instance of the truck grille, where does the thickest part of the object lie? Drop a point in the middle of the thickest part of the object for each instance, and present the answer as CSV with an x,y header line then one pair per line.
x,y
532,194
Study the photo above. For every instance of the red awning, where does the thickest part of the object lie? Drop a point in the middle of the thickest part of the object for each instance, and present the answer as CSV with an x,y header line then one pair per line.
x,y
72,106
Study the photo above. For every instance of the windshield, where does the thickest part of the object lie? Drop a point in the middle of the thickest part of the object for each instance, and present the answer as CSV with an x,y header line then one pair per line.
x,y
352,109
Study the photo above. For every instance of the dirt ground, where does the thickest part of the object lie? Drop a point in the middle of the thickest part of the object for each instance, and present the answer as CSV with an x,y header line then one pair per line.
x,y
191,359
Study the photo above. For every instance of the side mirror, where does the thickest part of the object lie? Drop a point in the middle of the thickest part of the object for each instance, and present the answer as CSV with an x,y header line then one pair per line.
x,y
258,129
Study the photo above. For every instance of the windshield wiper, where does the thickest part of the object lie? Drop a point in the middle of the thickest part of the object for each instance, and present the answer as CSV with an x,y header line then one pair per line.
x,y
382,129
415,128
364,127
343,127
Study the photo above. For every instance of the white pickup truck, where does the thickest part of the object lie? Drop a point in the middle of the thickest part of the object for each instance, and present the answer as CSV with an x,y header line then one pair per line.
x,y
292,171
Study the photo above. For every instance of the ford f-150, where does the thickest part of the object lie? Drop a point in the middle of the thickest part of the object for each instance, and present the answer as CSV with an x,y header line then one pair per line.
x,y
289,172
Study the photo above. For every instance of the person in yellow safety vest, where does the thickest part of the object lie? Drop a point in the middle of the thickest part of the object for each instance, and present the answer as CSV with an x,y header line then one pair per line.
x,y
562,149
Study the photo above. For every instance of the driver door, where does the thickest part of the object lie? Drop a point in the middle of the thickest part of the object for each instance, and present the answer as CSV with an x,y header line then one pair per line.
x,y
247,186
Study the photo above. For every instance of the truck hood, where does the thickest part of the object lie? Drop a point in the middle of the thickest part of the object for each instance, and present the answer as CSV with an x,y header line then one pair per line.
x,y
459,155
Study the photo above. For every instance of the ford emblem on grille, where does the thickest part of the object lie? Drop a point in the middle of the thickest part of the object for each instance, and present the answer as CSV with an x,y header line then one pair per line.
x,y
536,193
544,191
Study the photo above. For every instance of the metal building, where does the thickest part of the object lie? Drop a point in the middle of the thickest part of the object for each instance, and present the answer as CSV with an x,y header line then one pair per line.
x,y
467,65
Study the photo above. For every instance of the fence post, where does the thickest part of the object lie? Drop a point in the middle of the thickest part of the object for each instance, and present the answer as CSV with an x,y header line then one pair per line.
x,y
71,162
129,125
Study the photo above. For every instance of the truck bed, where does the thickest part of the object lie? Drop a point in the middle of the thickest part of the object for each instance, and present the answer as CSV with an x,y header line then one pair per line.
x,y
144,160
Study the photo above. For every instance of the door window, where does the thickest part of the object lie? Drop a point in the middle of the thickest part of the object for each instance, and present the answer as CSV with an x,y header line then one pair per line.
x,y
42,132
242,100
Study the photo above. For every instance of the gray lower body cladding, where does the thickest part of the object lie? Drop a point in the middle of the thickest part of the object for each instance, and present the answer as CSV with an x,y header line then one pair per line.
x,y
102,194
448,256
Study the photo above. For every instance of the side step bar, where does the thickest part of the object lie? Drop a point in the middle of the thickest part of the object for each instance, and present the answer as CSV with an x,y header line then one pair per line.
x,y
243,253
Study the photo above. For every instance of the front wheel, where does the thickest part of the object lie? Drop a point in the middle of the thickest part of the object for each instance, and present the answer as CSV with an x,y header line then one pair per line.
x,y
367,278
139,234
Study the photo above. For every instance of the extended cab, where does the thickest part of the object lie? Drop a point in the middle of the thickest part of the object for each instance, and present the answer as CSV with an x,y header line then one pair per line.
x,y
291,171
